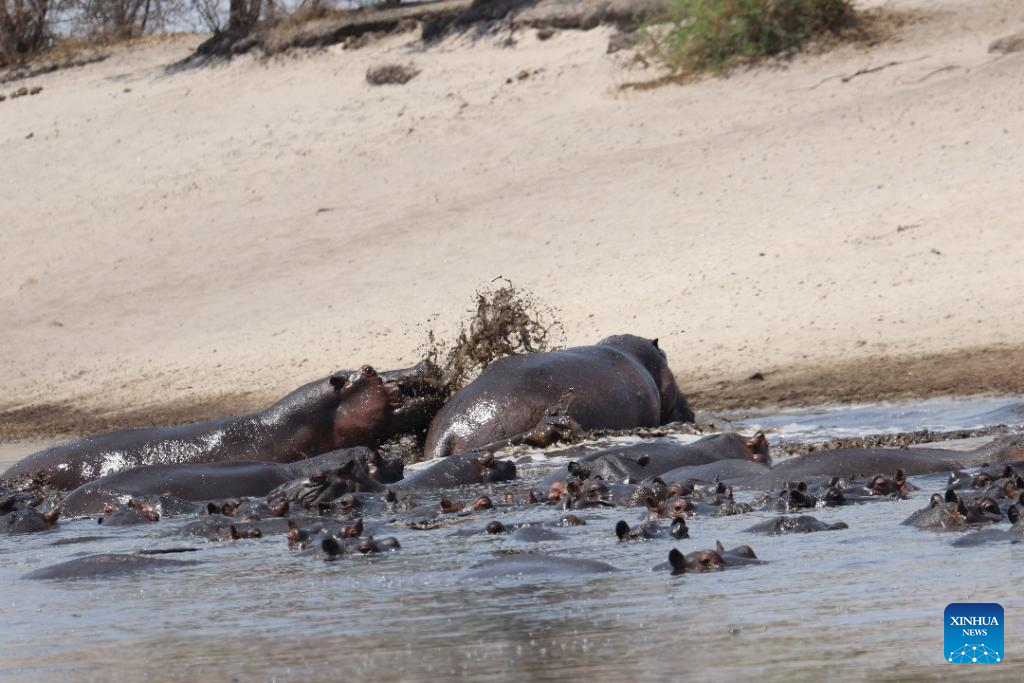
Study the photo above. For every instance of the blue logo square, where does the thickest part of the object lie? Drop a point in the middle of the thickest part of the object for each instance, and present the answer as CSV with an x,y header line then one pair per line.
x,y
973,633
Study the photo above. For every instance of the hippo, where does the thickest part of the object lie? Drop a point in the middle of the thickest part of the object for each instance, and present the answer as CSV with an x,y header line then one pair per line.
x,y
622,382
726,471
709,560
651,530
27,520
341,411
537,564
459,470
682,506
654,457
326,486
864,463
799,524
217,480
134,512
334,546
986,536
951,513
106,565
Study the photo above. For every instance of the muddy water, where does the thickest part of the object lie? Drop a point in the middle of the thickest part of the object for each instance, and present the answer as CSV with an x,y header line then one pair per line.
x,y
861,603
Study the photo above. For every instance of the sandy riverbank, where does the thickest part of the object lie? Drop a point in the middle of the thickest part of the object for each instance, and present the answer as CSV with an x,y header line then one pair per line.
x,y
178,245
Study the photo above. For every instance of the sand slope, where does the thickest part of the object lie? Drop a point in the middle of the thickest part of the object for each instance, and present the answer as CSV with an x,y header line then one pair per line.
x,y
239,229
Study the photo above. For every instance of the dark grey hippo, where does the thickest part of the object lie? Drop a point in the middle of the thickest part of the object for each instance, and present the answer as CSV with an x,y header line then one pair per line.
x,y
536,565
864,463
651,530
725,471
951,513
216,480
107,565
987,536
460,470
709,560
340,411
621,382
799,524
654,457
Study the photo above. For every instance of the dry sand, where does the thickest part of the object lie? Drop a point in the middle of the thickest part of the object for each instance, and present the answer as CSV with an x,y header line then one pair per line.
x,y
175,245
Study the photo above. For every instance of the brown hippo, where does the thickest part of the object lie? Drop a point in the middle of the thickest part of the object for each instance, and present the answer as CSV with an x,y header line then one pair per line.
x,y
341,411
621,382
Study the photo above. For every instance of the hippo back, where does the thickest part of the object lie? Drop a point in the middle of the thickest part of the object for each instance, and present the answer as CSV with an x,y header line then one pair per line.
x,y
605,387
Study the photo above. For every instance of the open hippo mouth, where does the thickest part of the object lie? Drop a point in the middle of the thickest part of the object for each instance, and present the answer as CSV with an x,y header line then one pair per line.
x,y
422,391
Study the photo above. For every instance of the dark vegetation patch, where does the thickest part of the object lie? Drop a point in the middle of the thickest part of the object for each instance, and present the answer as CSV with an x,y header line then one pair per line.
x,y
391,74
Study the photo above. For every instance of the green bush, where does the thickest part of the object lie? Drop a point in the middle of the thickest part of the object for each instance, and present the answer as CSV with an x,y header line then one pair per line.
x,y
716,34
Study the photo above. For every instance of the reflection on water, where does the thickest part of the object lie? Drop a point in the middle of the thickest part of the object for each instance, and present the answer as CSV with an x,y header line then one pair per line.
x,y
860,603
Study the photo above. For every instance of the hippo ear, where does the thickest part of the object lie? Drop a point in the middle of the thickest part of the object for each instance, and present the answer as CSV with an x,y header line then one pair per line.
x,y
951,496
51,516
1013,513
719,547
652,503
621,529
678,528
677,561
574,468
338,381
935,500
901,476
655,343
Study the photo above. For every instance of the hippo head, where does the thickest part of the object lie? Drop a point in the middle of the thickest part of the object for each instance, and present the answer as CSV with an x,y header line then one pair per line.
x,y
757,447
363,407
372,407
493,470
897,487
700,561
423,392
674,407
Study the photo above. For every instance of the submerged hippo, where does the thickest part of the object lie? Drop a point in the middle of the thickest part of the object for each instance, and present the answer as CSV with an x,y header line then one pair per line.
x,y
216,480
709,560
340,411
864,463
107,565
657,456
459,470
622,382
528,565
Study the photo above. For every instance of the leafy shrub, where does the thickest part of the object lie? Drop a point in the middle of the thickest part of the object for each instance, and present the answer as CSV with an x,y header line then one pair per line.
x,y
717,34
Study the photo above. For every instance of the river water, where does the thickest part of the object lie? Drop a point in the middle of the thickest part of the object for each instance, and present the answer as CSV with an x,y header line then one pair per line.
x,y
862,603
